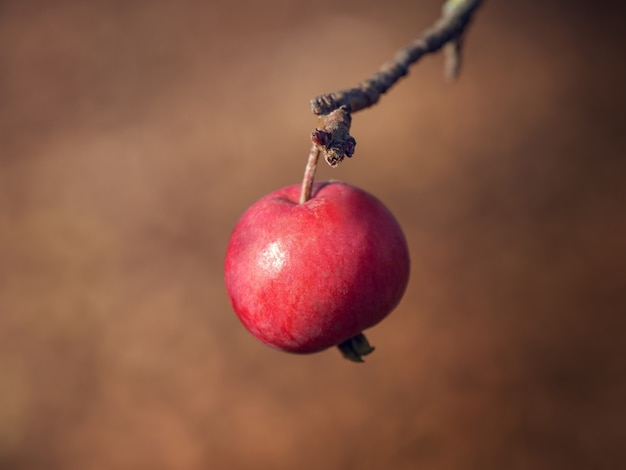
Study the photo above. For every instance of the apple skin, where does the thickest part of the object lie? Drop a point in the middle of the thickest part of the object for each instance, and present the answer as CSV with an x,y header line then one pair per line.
x,y
306,277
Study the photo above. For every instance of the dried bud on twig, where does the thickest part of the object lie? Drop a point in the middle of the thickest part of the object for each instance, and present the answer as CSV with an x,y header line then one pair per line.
x,y
333,136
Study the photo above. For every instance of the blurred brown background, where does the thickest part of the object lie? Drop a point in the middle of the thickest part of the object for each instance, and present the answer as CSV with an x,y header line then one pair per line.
x,y
134,134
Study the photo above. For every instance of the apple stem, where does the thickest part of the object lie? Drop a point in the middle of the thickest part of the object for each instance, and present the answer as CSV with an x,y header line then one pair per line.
x,y
355,348
309,174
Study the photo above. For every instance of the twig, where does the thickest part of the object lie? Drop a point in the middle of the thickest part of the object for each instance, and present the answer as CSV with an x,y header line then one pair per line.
x,y
332,135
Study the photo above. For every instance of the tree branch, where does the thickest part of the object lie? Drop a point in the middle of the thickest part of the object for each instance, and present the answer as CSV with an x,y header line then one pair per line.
x,y
332,135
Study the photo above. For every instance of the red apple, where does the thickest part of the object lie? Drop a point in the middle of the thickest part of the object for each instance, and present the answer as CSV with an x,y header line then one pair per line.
x,y
305,277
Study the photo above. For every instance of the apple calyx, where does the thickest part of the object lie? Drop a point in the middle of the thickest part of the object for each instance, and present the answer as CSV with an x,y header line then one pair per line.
x,y
355,348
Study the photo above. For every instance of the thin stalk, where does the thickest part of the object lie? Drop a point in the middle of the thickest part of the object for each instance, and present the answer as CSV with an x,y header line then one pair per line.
x,y
309,174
